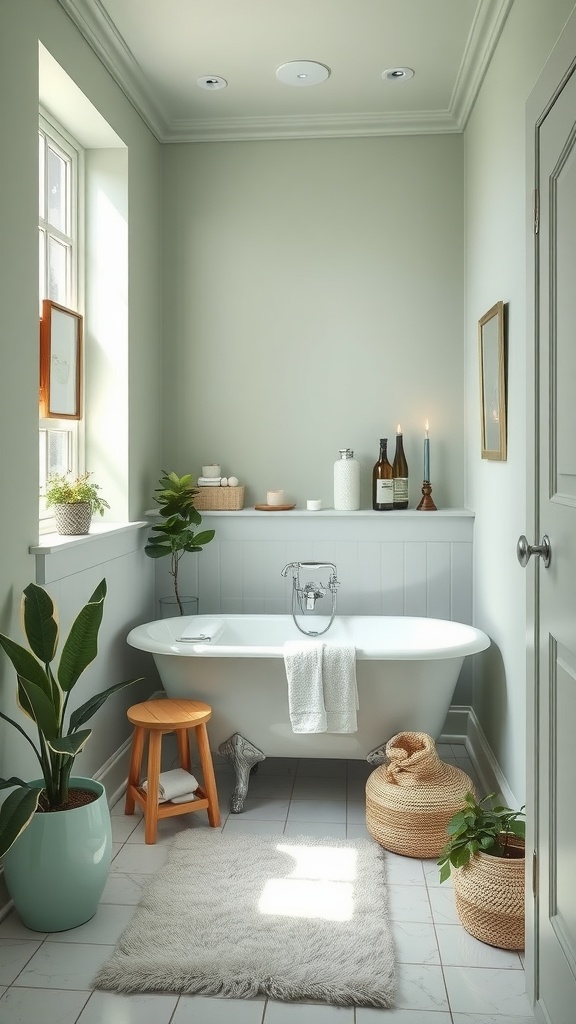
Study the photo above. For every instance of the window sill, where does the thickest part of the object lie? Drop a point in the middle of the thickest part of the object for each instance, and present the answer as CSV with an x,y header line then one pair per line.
x,y
59,556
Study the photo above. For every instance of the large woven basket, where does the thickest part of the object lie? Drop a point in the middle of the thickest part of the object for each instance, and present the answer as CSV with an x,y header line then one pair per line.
x,y
410,800
489,893
219,499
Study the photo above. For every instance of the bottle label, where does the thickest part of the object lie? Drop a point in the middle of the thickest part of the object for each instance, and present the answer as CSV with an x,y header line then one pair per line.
x,y
401,488
384,492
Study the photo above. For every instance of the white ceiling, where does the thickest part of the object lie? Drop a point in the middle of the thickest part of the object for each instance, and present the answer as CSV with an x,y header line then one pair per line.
x,y
157,49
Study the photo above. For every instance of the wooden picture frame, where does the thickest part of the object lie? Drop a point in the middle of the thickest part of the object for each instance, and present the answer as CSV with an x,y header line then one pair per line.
x,y
60,362
492,355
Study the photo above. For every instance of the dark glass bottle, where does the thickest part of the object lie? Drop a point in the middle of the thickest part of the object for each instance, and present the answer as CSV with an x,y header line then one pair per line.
x,y
382,481
400,473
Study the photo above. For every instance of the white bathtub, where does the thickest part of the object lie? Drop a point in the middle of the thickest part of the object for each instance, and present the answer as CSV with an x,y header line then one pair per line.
x,y
407,669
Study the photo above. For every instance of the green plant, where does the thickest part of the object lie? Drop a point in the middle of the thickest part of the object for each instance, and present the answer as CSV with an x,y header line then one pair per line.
x,y
175,535
480,827
43,696
64,490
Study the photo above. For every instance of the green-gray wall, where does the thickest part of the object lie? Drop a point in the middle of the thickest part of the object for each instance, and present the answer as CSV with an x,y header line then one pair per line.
x,y
313,301
22,26
497,204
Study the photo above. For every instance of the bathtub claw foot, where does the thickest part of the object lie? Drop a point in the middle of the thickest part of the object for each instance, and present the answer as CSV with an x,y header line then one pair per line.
x,y
244,757
377,756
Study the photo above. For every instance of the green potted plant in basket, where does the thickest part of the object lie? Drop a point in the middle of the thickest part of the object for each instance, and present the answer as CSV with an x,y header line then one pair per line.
x,y
55,836
175,535
75,500
486,850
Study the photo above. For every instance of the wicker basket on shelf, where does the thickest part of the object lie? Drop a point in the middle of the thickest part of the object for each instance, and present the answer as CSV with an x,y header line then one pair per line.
x,y
410,800
219,499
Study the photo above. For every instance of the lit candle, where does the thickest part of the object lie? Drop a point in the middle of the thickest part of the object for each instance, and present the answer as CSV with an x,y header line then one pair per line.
x,y
426,454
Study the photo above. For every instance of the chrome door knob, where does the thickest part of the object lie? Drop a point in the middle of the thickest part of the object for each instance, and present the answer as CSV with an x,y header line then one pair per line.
x,y
524,550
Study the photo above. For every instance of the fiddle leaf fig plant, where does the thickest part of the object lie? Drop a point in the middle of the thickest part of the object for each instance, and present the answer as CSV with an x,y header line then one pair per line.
x,y
175,535
43,693
480,827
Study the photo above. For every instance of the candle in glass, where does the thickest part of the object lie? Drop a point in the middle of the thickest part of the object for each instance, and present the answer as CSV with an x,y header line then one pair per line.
x,y
426,454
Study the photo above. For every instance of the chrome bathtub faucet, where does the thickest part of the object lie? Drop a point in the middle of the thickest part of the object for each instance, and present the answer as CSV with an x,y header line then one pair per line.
x,y
304,597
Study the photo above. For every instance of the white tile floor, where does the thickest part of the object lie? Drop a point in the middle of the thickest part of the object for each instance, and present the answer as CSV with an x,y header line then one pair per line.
x,y
444,975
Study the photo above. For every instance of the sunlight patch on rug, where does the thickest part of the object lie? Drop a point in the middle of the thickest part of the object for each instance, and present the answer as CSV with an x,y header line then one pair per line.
x,y
244,915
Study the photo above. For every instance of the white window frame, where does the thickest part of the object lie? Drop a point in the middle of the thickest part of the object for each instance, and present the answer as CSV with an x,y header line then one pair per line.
x,y
71,150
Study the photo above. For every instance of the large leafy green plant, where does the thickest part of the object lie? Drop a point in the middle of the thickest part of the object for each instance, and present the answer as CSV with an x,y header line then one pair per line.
x,y
43,694
175,535
480,827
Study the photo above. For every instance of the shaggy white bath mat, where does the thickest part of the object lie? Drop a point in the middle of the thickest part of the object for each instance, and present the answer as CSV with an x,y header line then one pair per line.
x,y
242,915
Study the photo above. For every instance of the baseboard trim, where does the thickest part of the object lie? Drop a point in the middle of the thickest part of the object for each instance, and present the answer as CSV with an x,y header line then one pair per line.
x,y
485,763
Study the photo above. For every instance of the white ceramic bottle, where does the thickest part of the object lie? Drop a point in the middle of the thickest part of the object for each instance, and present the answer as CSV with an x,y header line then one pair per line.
x,y
346,482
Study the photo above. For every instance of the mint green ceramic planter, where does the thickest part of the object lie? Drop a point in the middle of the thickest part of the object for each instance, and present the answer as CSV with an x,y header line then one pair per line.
x,y
57,869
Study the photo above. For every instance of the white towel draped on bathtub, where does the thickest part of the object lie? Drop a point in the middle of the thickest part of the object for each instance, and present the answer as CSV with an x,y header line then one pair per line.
x,y
322,690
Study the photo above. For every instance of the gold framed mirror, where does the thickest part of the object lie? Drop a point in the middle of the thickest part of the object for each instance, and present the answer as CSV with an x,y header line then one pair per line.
x,y
492,355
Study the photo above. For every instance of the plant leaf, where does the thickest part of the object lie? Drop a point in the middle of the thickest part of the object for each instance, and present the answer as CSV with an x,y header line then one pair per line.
x,y
70,745
85,712
10,783
158,551
40,625
26,664
34,703
445,871
81,646
16,811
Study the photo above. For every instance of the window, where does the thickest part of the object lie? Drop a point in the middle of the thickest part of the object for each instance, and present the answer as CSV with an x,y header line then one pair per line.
x,y
59,240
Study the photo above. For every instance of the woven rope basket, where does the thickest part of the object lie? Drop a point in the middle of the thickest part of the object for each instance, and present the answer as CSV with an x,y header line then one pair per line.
x,y
489,894
219,499
74,518
410,800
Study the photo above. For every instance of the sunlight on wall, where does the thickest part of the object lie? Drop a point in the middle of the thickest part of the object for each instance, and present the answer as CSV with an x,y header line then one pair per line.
x,y
107,321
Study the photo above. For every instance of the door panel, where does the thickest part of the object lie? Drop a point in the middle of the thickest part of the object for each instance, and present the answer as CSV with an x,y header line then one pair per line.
x,y
555,727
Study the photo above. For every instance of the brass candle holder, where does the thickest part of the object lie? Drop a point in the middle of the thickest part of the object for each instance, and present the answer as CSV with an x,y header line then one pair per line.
x,y
426,502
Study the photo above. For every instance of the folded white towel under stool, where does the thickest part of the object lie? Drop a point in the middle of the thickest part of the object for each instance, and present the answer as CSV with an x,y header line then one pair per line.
x,y
176,785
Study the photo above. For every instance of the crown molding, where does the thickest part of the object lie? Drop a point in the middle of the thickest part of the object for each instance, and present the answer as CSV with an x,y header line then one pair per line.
x,y
482,41
93,22
327,126
109,46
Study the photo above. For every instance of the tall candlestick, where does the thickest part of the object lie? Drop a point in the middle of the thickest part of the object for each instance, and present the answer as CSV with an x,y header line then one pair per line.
x,y
426,454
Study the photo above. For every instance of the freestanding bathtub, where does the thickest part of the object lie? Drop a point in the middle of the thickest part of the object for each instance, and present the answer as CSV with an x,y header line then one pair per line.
x,y
406,668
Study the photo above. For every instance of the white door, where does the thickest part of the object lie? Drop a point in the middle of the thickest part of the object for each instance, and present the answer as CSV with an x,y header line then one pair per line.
x,y
554,704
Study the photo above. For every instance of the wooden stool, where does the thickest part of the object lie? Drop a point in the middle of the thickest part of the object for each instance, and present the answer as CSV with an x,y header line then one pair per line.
x,y
154,718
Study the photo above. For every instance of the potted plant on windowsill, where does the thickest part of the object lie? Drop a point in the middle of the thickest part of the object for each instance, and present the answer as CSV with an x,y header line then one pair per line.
x,y
486,850
175,535
55,836
75,500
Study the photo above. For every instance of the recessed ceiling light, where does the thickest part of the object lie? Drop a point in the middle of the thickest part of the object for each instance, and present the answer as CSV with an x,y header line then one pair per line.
x,y
302,72
212,82
397,74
